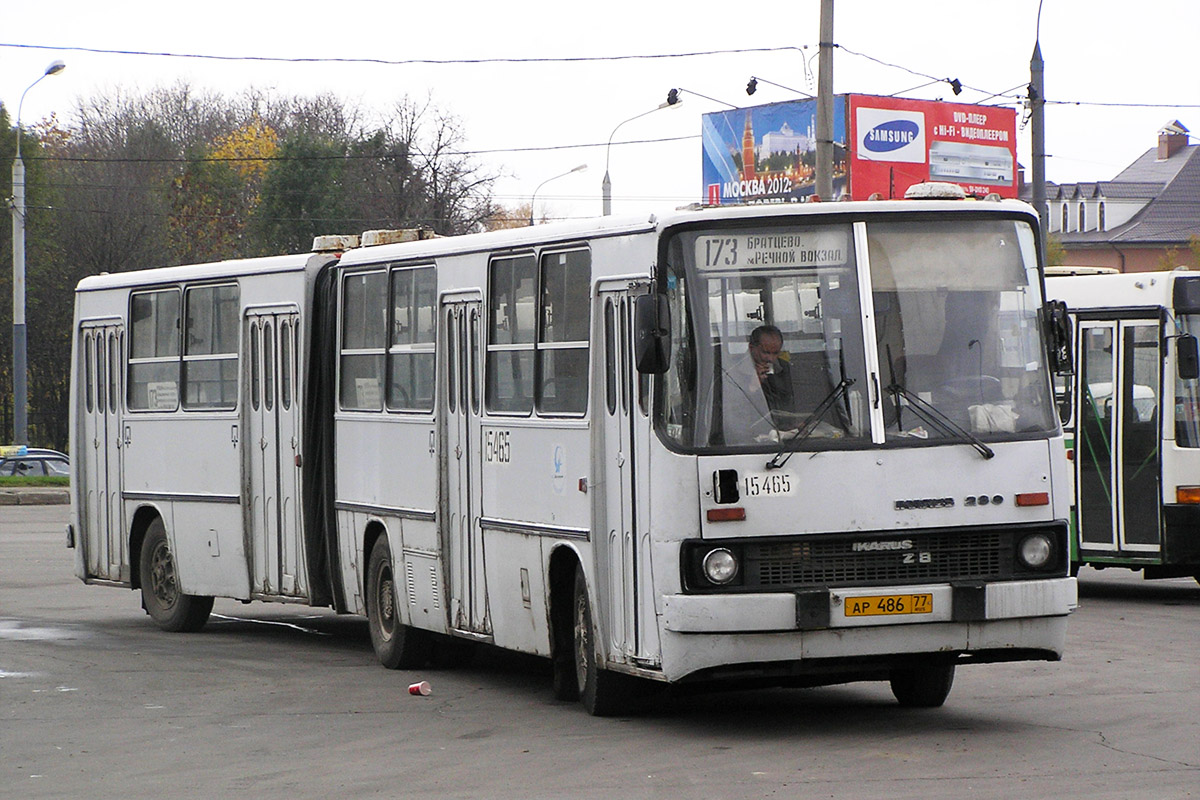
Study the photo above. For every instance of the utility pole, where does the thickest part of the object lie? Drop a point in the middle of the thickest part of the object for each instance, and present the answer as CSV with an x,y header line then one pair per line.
x,y
824,187
1037,119
20,355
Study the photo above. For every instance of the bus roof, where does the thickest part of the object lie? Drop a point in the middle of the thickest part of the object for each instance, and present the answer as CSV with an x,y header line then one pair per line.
x,y
199,272
1124,290
527,237
575,230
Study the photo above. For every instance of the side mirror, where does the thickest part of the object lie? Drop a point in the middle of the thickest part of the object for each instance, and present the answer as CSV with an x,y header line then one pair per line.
x,y
652,334
1187,357
1059,334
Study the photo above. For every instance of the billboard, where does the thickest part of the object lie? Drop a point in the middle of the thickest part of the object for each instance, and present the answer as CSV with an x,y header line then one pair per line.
x,y
767,154
895,143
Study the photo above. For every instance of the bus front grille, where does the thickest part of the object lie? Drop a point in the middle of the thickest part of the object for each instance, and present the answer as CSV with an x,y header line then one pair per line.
x,y
874,558
858,561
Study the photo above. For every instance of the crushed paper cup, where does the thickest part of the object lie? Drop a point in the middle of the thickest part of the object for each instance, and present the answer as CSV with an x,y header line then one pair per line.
x,y
420,688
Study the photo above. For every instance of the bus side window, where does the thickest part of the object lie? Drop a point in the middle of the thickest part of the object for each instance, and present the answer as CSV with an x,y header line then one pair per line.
x,y
411,361
255,369
114,370
89,373
364,340
99,355
268,366
473,353
154,350
512,311
564,320
210,358
610,357
285,365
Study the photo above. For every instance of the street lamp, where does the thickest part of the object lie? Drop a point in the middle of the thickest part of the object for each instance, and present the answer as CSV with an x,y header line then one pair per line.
x,y
673,99
580,168
20,370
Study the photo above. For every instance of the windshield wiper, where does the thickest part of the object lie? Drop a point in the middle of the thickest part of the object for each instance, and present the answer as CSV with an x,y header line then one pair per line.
x,y
930,413
790,446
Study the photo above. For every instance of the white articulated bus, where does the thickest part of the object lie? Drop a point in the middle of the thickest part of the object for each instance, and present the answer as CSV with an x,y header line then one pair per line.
x,y
1132,413
805,444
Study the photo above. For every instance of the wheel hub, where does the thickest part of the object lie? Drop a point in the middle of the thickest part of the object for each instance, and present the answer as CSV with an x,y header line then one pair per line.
x,y
162,576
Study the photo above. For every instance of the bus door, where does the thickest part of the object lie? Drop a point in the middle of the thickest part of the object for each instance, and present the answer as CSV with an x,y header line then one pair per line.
x,y
1117,435
461,437
624,546
272,446
103,516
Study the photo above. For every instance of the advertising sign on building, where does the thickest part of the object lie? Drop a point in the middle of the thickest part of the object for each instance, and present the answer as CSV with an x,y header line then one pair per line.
x,y
883,145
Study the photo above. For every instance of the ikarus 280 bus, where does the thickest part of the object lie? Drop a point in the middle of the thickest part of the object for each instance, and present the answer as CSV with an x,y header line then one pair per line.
x,y
804,444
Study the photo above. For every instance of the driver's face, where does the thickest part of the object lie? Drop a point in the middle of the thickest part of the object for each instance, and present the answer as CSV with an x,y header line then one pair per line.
x,y
766,353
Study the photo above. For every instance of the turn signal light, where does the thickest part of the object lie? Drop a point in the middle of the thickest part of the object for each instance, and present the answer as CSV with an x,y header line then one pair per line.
x,y
1033,499
726,514
1187,494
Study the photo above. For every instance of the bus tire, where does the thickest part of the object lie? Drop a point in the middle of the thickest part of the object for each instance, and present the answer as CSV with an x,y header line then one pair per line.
x,y
602,692
397,645
925,686
164,601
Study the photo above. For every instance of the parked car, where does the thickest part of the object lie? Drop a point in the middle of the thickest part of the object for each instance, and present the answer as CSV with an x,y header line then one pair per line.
x,y
34,462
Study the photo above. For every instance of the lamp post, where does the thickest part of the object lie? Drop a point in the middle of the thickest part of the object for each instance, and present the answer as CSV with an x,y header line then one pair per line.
x,y
533,197
20,369
673,99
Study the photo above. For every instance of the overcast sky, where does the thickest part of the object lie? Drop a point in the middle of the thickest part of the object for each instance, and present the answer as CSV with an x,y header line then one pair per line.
x,y
1096,52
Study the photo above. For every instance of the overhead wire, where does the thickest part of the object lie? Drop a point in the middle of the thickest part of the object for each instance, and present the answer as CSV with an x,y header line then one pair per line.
x,y
582,59
408,61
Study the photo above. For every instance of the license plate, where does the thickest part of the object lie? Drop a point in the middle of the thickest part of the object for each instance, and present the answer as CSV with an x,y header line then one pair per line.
x,y
888,605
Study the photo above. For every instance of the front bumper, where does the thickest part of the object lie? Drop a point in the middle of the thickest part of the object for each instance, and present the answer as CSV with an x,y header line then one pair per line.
x,y
775,633
786,611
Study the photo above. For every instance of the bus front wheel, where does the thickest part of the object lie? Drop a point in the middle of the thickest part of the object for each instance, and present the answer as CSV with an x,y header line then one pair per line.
x,y
602,692
397,645
163,599
925,686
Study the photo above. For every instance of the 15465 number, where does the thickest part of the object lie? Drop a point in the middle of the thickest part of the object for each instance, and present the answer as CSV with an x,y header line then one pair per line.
x,y
768,484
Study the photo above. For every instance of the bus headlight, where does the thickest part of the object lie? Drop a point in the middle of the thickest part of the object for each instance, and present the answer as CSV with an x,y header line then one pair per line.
x,y
1036,551
720,566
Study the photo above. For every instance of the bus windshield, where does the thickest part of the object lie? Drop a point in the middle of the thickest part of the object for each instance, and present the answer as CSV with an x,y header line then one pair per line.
x,y
771,343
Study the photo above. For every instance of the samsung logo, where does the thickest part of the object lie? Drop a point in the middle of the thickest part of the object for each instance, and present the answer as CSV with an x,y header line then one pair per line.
x,y
932,502
892,135
866,547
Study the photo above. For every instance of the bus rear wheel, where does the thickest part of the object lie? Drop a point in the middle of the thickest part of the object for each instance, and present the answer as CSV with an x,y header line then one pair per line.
x,y
602,692
164,601
925,686
397,645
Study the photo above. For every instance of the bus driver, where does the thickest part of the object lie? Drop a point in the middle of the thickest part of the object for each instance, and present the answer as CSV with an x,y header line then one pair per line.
x,y
757,390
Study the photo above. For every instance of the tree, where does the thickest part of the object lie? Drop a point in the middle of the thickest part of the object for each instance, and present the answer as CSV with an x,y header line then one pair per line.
x,y
45,299
505,217
218,192
177,176
410,172
301,194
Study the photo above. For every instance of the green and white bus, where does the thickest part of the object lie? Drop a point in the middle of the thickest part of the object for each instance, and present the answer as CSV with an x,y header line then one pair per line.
x,y
1132,416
